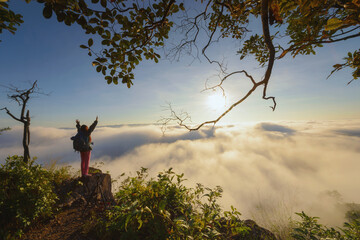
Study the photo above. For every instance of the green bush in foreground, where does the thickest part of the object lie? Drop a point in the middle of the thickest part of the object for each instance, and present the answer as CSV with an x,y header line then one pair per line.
x,y
165,209
26,194
309,229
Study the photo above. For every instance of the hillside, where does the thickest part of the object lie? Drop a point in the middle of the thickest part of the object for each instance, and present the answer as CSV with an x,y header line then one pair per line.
x,y
84,199
38,203
68,224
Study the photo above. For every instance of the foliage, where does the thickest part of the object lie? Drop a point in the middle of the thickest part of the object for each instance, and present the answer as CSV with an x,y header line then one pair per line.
x,y
26,194
130,31
166,209
309,228
353,212
314,23
8,19
59,175
353,61
4,129
308,25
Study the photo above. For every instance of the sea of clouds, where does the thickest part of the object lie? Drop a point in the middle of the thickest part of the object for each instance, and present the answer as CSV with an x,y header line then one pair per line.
x,y
268,170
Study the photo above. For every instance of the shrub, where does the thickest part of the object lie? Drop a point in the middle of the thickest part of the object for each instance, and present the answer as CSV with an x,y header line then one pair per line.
x,y
60,174
26,194
353,212
165,209
309,228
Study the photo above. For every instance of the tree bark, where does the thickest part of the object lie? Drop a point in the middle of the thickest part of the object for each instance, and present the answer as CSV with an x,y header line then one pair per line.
x,y
26,138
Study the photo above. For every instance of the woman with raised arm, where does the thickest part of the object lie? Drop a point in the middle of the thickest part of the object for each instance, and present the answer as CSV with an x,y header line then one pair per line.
x,y
85,154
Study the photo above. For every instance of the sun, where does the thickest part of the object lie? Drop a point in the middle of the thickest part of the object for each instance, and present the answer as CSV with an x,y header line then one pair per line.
x,y
216,101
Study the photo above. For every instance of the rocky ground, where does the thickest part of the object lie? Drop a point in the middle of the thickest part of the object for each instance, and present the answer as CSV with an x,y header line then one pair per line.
x,y
80,199
67,225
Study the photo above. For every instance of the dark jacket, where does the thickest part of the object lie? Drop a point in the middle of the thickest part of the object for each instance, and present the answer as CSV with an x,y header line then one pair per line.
x,y
88,132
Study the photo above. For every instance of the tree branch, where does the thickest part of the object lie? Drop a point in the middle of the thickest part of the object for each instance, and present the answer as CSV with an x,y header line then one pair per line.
x,y
297,48
270,46
191,28
10,114
183,117
268,41
21,96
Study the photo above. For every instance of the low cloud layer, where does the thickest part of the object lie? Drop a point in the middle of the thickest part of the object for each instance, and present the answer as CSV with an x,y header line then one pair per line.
x,y
264,168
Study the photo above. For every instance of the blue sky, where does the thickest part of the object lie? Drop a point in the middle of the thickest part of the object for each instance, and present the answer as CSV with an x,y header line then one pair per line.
x,y
49,52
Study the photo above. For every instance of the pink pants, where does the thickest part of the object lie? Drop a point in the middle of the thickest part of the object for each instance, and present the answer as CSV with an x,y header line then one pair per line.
x,y
85,159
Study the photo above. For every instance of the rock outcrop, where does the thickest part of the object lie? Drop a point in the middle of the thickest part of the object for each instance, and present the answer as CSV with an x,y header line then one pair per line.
x,y
256,232
93,189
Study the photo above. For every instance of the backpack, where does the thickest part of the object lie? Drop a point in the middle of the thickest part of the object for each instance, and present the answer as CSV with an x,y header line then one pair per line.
x,y
80,143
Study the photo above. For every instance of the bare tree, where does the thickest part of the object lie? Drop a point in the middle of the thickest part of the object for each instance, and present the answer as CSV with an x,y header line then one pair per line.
x,y
22,96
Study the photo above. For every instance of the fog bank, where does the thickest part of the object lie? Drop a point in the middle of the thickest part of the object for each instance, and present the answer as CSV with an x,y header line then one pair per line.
x,y
281,167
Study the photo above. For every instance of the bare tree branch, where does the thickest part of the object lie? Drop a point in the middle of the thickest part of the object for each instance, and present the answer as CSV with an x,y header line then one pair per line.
x,y
191,27
183,117
10,114
174,117
270,46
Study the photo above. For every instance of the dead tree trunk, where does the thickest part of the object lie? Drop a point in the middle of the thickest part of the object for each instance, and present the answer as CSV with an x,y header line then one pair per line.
x,y
26,137
22,97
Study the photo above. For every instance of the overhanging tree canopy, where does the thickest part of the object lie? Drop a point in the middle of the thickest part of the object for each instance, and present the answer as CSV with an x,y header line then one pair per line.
x,y
131,31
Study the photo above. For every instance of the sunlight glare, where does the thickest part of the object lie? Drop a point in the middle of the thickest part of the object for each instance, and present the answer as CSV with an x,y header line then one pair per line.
x,y
216,101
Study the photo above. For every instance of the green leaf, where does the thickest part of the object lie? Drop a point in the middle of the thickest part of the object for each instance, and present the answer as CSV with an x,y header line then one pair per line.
x,y
90,42
83,46
333,23
60,17
47,12
68,21
129,83
103,70
82,4
108,79
103,3
127,221
140,223
102,60
81,21
162,205
93,20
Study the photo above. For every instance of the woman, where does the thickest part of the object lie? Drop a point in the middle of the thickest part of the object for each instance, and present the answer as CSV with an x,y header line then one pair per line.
x,y
85,155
